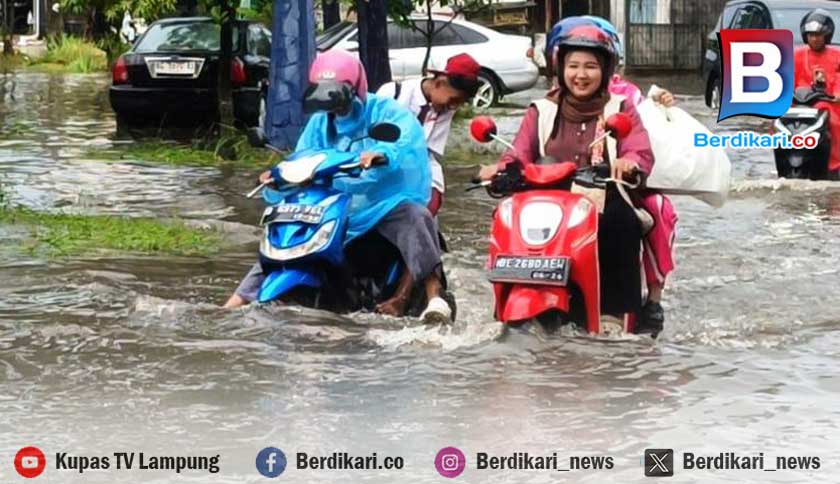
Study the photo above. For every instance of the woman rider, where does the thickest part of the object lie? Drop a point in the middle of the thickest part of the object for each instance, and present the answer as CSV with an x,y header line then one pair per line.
x,y
563,126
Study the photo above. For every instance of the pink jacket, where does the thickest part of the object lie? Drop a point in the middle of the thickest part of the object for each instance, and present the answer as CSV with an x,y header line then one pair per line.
x,y
635,147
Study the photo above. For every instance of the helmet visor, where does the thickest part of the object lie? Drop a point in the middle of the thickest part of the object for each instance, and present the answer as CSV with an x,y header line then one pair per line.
x,y
331,96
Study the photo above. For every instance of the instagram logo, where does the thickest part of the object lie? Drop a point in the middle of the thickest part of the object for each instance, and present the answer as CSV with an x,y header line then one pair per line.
x,y
450,462
30,462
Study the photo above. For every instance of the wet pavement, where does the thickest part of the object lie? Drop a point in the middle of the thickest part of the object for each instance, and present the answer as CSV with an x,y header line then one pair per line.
x,y
102,354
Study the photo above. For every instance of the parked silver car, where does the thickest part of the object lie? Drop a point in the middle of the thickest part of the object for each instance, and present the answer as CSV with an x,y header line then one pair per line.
x,y
506,60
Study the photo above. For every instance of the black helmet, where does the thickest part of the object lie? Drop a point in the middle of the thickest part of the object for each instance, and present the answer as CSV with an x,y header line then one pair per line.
x,y
817,21
589,37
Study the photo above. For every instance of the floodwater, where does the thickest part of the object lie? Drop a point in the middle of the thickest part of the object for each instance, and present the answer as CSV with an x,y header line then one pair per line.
x,y
131,353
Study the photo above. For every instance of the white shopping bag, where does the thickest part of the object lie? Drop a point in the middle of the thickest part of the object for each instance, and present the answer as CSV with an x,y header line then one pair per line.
x,y
679,167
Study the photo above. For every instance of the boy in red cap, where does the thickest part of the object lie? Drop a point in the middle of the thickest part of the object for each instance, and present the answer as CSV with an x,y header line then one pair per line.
x,y
434,101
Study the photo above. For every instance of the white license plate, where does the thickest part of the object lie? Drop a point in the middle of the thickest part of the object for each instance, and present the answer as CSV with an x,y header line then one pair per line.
x,y
534,270
288,212
176,68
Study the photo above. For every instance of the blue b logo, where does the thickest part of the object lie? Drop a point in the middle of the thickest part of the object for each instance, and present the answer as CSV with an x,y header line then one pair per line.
x,y
271,462
757,68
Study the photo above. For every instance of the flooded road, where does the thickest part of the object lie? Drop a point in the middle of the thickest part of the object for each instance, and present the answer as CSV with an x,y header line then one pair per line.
x,y
131,353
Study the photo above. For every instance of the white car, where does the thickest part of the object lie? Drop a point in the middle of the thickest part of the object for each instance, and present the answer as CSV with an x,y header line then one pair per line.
x,y
506,60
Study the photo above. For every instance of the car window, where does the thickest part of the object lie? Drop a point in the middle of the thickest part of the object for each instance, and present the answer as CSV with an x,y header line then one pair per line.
x,y
396,36
258,42
750,17
468,35
413,39
333,35
790,18
184,36
728,15
445,35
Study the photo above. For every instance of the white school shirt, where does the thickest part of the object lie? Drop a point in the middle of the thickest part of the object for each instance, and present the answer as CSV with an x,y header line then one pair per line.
x,y
436,127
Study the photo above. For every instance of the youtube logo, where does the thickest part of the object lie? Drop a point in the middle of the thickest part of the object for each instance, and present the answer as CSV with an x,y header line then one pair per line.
x,y
30,462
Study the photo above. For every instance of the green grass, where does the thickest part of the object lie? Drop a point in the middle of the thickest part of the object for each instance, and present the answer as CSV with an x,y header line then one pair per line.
x,y
66,234
14,130
231,150
465,112
113,47
66,54
4,197
9,63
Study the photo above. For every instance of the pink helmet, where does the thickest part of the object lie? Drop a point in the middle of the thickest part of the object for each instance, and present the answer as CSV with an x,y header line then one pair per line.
x,y
342,66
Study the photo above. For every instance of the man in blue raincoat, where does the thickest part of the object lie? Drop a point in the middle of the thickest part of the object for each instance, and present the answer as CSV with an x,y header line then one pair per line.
x,y
389,200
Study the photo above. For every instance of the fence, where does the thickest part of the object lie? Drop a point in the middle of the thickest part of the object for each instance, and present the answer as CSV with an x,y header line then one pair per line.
x,y
668,34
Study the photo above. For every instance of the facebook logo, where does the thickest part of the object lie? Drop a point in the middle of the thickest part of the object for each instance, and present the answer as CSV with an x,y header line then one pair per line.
x,y
757,72
271,462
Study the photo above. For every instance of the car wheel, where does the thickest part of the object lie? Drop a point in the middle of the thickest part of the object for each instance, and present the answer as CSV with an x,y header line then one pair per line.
x,y
487,94
714,99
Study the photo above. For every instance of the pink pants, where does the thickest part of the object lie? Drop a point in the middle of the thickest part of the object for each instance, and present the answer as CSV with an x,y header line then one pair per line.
x,y
658,244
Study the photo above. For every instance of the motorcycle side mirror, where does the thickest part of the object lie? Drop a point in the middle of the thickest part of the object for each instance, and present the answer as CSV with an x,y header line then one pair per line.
x,y
386,132
256,138
619,125
483,129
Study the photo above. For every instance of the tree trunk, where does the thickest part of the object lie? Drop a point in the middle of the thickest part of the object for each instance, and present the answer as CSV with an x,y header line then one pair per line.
x,y
8,28
332,13
373,41
224,91
292,51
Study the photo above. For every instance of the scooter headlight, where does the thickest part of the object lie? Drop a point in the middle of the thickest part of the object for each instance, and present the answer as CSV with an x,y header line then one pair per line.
x,y
506,212
539,222
817,125
580,212
317,242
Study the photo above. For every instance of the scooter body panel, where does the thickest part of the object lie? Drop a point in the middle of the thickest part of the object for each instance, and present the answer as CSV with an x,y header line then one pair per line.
x,y
535,231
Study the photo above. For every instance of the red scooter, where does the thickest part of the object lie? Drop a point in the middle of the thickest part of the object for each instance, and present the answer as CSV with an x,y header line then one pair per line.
x,y
544,241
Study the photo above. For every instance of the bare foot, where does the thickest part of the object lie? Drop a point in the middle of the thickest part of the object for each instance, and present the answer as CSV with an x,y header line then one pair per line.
x,y
235,301
391,307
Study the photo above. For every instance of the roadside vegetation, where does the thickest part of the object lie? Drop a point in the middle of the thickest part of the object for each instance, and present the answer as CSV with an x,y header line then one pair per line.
x,y
231,149
62,234
67,55
73,55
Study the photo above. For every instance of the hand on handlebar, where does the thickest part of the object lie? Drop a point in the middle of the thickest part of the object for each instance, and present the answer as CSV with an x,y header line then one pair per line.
x,y
622,168
487,172
370,158
265,177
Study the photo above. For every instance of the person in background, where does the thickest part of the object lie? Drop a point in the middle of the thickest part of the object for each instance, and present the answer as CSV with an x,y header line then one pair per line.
x,y
434,100
817,65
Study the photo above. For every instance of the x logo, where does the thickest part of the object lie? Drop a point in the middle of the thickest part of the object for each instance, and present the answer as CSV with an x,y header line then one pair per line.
x,y
659,462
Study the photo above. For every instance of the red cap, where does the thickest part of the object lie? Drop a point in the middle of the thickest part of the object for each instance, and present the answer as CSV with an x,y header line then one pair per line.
x,y
461,65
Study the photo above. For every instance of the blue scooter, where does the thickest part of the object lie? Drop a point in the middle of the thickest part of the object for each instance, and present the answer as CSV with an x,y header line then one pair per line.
x,y
303,250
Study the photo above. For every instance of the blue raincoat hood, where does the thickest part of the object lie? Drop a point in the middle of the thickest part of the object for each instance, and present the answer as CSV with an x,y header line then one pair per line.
x,y
406,178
